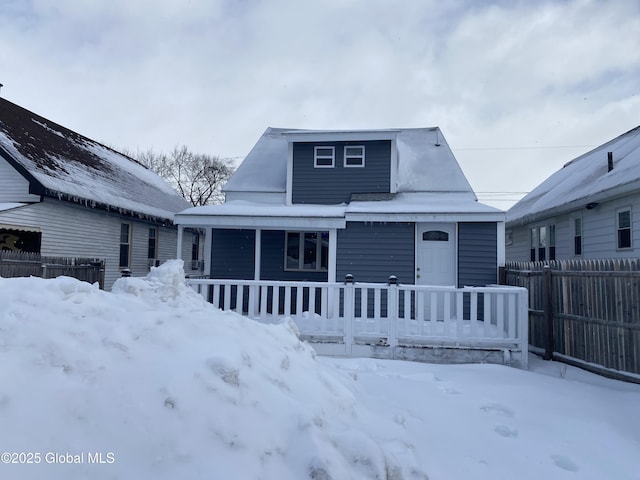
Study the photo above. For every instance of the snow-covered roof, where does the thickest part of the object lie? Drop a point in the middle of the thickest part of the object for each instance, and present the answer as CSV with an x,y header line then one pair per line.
x,y
585,179
10,206
61,163
425,161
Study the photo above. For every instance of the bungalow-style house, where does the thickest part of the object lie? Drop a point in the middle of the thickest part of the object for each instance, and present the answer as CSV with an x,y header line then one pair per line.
x,y
589,209
311,205
64,195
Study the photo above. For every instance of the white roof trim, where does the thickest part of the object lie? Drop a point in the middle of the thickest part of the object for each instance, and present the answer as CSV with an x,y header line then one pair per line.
x,y
340,135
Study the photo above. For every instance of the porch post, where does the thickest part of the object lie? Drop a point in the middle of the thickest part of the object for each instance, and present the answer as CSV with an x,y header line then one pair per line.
x,y
179,246
333,245
258,254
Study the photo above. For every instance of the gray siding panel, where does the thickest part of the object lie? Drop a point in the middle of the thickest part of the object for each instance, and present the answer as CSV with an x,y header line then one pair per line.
x,y
335,185
372,252
232,254
70,230
272,256
477,254
13,186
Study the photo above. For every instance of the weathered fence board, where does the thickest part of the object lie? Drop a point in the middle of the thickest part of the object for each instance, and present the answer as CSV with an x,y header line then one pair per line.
x,y
593,315
27,264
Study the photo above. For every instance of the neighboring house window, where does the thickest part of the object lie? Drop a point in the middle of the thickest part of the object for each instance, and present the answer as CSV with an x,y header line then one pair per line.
x,y
324,157
153,243
508,237
354,156
307,251
125,244
624,228
577,236
543,243
195,251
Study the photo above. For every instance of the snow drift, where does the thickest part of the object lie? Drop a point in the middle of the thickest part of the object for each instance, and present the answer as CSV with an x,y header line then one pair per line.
x,y
163,385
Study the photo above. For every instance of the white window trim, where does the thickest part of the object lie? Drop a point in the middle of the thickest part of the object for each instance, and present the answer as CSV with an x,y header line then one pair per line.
x,y
618,212
301,252
324,157
361,156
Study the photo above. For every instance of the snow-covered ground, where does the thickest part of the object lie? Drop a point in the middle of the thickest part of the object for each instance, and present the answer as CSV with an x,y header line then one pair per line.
x,y
151,382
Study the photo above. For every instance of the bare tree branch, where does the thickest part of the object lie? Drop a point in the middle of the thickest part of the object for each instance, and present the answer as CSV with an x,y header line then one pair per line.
x,y
199,178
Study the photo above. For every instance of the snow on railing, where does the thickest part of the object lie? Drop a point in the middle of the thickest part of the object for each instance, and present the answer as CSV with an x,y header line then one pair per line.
x,y
382,314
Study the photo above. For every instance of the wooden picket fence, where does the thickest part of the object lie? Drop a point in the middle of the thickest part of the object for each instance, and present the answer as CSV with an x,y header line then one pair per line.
x,y
26,264
584,312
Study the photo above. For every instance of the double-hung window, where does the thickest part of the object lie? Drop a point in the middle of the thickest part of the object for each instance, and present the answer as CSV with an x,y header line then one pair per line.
x,y
353,156
307,251
324,157
153,243
125,244
577,236
623,221
195,251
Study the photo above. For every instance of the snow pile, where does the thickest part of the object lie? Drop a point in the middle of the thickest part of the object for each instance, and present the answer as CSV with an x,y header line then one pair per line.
x,y
156,383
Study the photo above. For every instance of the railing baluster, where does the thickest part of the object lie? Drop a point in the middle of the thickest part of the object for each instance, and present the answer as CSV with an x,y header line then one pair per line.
x,y
473,318
227,297
216,296
500,315
459,313
275,302
487,314
299,302
287,301
512,317
264,295
240,299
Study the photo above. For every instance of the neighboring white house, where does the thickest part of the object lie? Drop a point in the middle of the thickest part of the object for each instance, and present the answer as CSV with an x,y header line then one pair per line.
x,y
589,209
62,194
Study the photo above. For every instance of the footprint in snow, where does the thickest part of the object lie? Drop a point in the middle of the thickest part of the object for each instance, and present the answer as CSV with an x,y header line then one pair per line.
x,y
564,463
498,409
449,390
506,431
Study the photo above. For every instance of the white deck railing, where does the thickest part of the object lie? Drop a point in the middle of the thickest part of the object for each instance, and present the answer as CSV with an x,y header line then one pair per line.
x,y
492,317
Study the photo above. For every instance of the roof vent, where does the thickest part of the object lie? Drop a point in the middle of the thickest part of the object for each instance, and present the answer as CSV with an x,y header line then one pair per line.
x,y
1,86
609,161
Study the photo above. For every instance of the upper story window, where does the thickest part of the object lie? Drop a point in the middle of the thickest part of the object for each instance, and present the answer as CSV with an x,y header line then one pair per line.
x,y
623,223
324,157
354,156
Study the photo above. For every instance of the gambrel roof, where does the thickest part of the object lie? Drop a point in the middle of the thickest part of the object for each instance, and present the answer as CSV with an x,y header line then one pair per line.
x,y
63,164
425,161
584,180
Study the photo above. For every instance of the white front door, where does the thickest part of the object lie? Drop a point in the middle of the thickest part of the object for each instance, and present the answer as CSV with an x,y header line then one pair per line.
x,y
436,254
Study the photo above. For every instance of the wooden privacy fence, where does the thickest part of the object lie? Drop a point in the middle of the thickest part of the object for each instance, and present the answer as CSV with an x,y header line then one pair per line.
x,y
339,318
586,312
26,264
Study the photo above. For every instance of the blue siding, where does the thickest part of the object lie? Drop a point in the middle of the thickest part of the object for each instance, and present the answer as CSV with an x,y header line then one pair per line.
x,y
372,252
477,254
272,265
232,254
335,185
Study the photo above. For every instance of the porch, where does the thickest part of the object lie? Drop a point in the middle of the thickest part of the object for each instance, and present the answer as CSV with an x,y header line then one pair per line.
x,y
413,322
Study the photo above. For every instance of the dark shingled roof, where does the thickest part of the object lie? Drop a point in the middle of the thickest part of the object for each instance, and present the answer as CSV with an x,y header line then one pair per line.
x,y
61,163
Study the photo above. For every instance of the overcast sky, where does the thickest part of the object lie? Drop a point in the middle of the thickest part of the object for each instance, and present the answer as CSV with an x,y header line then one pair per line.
x,y
517,87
